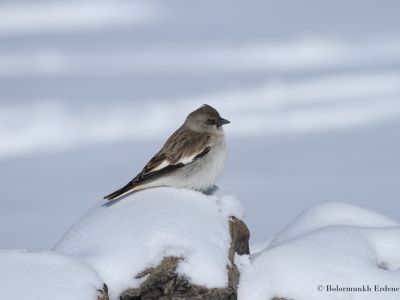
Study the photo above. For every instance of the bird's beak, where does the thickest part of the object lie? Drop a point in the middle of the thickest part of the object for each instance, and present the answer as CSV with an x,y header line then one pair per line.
x,y
222,121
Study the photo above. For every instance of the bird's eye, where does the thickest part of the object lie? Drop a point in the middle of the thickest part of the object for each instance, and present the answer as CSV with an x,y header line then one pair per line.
x,y
210,122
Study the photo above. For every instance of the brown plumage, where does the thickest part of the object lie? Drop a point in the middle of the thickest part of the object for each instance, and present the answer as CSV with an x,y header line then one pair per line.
x,y
186,145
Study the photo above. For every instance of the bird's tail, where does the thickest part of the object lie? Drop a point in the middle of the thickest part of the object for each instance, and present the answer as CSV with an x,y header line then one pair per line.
x,y
127,189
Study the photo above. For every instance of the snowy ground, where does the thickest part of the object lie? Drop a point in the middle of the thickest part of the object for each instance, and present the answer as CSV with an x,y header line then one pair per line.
x,y
46,276
122,239
329,246
312,90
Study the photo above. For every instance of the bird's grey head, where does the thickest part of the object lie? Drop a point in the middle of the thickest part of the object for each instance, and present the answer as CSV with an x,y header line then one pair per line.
x,y
205,119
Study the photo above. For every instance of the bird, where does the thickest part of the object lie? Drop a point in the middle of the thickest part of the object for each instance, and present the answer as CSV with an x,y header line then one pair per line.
x,y
193,157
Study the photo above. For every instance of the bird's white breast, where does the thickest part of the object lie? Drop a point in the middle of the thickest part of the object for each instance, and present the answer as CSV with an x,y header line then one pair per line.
x,y
201,174
209,168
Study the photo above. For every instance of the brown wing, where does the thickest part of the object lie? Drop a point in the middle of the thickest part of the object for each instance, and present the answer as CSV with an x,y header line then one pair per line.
x,y
182,148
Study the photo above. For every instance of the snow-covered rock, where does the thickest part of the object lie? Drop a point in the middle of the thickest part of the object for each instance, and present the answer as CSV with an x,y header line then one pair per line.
x,y
330,245
165,238
46,276
121,239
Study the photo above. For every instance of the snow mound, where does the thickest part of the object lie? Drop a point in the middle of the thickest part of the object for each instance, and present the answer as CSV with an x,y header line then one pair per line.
x,y
123,238
331,213
332,244
45,276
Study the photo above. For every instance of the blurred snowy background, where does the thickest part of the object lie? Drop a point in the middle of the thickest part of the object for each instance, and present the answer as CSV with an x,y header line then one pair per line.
x,y
89,90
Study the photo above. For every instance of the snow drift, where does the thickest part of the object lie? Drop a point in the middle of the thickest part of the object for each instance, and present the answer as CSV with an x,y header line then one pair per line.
x,y
121,239
332,244
46,276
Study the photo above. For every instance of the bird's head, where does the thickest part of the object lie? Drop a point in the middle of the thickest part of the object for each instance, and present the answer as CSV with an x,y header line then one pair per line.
x,y
205,119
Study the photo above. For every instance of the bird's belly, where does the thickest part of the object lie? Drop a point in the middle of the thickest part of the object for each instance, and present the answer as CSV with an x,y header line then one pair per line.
x,y
203,173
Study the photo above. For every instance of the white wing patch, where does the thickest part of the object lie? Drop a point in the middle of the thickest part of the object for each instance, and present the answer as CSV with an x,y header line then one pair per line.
x,y
188,159
184,160
164,164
